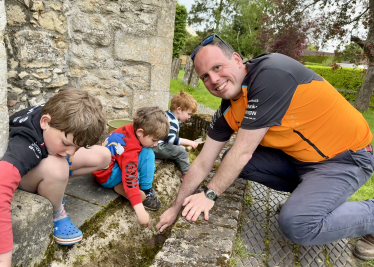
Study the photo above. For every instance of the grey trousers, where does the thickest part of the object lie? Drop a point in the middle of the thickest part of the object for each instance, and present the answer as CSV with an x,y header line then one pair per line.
x,y
317,212
176,153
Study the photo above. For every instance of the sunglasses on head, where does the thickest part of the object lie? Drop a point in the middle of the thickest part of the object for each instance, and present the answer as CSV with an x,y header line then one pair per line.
x,y
208,40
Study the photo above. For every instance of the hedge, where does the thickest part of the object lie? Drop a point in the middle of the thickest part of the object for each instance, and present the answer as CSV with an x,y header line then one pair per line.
x,y
315,58
343,78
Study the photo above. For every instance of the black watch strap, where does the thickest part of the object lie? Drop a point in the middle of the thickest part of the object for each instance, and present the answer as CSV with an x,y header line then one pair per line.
x,y
210,194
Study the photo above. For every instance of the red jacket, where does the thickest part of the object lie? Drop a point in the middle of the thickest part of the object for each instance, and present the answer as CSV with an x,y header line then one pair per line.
x,y
125,148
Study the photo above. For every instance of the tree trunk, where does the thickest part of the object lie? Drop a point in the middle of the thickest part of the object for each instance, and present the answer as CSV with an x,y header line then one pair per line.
x,y
218,16
364,93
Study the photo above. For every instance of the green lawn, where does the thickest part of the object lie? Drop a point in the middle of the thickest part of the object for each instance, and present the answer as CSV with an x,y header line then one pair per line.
x,y
367,190
203,97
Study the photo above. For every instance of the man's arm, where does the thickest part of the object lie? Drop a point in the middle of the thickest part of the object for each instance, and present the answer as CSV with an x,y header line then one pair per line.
x,y
245,144
197,172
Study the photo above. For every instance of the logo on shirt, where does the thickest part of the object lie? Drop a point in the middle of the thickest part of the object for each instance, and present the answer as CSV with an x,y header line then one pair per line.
x,y
216,116
251,107
253,100
34,147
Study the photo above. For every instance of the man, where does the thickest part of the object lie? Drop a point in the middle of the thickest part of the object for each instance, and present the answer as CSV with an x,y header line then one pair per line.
x,y
295,133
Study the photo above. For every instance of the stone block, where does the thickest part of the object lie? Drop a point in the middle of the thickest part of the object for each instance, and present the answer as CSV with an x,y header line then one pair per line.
x,y
160,77
32,226
175,66
35,50
145,98
154,50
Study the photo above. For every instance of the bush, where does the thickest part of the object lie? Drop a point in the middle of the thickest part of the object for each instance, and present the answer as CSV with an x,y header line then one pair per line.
x,y
343,78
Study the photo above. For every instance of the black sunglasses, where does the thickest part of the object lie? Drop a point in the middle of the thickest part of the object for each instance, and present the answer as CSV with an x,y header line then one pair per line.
x,y
208,40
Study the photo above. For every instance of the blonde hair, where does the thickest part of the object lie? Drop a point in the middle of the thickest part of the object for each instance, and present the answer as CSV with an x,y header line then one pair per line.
x,y
153,121
76,112
183,100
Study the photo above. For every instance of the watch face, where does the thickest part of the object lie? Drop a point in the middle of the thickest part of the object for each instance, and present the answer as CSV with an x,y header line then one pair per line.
x,y
210,194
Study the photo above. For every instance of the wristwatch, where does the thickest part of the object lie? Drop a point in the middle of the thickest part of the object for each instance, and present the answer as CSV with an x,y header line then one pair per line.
x,y
209,193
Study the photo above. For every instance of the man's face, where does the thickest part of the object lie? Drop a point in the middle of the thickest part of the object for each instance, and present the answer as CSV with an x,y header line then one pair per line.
x,y
222,77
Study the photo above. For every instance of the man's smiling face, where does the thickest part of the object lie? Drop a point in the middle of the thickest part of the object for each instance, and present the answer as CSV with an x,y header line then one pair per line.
x,y
221,76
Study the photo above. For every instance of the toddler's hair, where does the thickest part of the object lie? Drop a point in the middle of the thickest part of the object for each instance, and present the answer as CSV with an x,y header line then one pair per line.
x,y
153,121
183,100
77,112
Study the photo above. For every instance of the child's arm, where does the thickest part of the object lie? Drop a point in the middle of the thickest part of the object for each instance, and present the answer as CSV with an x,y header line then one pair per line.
x,y
186,142
9,180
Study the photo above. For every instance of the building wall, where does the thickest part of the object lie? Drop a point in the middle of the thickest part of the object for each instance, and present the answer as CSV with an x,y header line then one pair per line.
x,y
3,82
118,50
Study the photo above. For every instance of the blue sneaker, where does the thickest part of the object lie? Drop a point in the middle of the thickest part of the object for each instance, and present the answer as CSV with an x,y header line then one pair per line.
x,y
63,201
66,233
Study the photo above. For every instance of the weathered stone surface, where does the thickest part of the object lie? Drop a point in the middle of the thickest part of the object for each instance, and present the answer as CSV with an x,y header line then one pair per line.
x,y
144,98
3,84
51,21
153,50
166,20
35,50
190,76
160,78
15,16
175,67
32,226
93,29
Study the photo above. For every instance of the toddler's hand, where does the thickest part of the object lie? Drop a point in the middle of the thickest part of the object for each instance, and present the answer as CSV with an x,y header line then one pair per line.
x,y
194,144
143,216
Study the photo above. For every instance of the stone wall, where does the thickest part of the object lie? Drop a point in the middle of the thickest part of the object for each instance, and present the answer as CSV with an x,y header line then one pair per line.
x,y
118,50
3,77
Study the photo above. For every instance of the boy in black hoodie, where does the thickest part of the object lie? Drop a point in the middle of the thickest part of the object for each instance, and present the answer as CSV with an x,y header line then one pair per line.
x,y
39,158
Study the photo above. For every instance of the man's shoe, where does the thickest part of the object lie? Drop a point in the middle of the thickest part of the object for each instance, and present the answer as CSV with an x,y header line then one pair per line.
x,y
281,204
152,202
364,249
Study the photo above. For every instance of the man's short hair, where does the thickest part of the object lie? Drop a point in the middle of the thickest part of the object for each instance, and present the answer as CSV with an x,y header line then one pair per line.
x,y
183,100
153,121
224,48
77,112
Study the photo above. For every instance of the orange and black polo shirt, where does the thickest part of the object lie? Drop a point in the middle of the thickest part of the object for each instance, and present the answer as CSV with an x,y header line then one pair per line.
x,y
308,118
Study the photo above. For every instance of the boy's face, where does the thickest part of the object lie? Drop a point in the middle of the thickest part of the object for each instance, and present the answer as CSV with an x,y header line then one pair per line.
x,y
56,142
146,140
182,116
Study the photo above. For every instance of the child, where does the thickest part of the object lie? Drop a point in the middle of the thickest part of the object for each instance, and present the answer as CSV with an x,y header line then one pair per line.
x,y
181,108
39,158
131,170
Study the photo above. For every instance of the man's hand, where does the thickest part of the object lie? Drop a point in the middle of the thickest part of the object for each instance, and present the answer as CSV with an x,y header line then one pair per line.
x,y
167,218
195,205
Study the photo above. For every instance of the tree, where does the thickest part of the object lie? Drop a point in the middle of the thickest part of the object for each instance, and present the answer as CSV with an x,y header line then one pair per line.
x,y
241,29
353,53
179,30
342,19
191,43
208,13
333,20
284,29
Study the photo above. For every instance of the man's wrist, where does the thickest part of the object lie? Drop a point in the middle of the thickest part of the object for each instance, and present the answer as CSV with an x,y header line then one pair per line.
x,y
210,194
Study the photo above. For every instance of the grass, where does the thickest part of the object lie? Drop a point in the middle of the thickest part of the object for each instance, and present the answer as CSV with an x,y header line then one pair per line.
x,y
201,94
367,190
